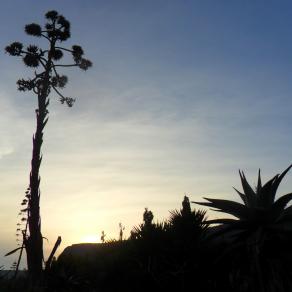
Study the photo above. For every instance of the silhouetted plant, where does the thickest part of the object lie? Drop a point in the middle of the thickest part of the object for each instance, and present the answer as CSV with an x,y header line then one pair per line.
x,y
56,30
187,223
187,229
102,237
121,233
158,255
21,231
259,221
147,228
147,217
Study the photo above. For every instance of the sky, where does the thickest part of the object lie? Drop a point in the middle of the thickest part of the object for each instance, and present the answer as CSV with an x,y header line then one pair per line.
x,y
182,94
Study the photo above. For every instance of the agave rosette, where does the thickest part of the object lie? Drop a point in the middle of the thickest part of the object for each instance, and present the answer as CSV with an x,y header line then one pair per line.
x,y
260,208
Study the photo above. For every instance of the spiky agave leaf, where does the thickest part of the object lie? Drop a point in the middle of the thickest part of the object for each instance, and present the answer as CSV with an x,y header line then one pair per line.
x,y
186,224
279,206
286,215
13,251
242,196
259,187
277,183
264,196
221,221
226,206
264,214
251,198
229,227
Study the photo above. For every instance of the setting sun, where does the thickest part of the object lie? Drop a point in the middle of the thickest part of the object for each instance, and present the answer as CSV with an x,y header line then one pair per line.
x,y
90,238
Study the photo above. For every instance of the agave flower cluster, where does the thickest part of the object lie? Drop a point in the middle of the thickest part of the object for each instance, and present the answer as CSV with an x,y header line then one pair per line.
x,y
56,30
23,213
21,230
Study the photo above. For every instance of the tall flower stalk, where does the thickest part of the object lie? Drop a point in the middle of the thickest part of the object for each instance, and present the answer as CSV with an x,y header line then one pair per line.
x,y
46,63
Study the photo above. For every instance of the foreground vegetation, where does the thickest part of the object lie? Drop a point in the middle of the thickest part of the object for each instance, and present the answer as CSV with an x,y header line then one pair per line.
x,y
251,252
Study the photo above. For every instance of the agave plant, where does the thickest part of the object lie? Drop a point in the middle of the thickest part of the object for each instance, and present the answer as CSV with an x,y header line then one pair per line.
x,y
260,208
259,225
187,227
46,64
149,230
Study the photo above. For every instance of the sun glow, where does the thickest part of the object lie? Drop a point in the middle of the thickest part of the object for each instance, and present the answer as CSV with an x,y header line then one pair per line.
x,y
92,238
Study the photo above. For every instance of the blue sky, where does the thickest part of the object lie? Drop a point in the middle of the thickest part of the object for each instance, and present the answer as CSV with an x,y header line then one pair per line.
x,y
181,95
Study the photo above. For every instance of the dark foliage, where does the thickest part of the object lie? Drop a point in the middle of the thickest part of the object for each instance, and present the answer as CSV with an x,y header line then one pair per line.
x,y
14,49
185,251
258,236
174,255
33,29
162,256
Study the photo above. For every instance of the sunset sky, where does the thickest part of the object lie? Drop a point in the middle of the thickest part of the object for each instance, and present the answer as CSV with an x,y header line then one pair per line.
x,y
181,95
